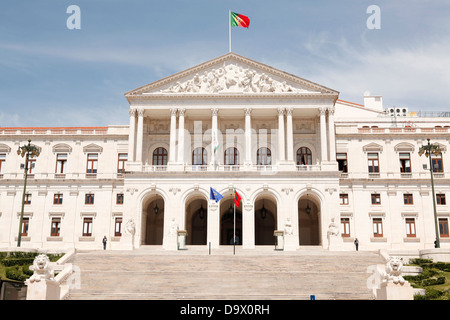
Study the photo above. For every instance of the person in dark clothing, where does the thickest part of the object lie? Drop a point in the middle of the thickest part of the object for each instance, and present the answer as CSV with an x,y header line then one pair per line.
x,y
104,242
356,242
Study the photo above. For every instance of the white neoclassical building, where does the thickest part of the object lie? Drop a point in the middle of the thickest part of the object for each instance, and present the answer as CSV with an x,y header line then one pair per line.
x,y
299,158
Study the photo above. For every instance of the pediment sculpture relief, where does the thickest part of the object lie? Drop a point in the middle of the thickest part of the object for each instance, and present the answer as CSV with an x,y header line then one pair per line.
x,y
231,78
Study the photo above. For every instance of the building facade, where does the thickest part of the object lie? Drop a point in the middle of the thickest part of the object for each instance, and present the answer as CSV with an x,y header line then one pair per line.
x,y
299,158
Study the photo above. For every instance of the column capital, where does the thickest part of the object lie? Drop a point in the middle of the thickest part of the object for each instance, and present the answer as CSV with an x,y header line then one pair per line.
x,y
132,112
281,111
289,111
140,112
181,111
322,110
331,110
214,111
173,111
247,111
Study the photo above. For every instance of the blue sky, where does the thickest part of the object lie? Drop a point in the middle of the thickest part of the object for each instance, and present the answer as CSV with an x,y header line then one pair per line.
x,y
53,76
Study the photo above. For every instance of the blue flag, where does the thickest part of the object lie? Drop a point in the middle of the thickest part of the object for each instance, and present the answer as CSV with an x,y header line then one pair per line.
x,y
214,195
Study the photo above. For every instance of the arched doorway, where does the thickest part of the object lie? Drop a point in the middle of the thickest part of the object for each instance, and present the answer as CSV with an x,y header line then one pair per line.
x,y
309,220
227,222
196,220
265,220
153,220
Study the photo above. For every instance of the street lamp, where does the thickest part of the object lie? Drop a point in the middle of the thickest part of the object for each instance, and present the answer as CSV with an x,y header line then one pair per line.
x,y
430,149
28,151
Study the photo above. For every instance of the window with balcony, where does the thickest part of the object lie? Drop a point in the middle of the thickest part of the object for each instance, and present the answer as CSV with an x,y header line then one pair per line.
x,y
436,162
373,163
264,157
231,157
92,163
199,157
61,161
304,156
342,162
160,156
405,162
122,159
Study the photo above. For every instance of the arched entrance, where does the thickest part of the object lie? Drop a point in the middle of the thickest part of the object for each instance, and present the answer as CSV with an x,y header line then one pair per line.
x,y
153,220
227,222
196,220
265,220
309,220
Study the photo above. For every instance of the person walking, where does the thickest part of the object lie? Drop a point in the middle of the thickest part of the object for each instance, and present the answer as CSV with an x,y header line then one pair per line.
x,y
356,242
104,242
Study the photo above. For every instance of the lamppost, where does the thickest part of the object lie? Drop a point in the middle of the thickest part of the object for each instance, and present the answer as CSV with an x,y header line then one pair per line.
x,y
429,149
28,151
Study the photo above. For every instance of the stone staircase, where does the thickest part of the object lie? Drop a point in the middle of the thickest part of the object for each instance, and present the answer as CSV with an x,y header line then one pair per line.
x,y
194,274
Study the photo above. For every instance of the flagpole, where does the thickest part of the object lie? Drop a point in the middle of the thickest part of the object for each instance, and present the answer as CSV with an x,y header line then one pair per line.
x,y
229,28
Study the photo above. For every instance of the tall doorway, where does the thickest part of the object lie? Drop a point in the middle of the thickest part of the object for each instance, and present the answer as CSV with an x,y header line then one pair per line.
x,y
196,221
309,220
265,220
227,222
153,220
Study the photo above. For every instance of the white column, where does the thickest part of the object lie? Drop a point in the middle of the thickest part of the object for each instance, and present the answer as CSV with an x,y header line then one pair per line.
x,y
140,135
132,135
331,135
323,135
248,136
214,134
181,135
281,151
289,135
173,137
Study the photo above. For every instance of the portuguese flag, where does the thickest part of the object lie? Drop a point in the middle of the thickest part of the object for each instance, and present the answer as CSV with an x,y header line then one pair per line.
x,y
237,198
239,20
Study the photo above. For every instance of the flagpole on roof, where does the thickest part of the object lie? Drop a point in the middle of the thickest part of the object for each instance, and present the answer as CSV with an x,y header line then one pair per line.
x,y
229,29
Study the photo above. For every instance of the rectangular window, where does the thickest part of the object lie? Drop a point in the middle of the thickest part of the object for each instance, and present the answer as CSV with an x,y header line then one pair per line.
x,y
343,198
61,159
436,162
27,198
57,198
123,157
92,162
376,198
443,227
410,227
119,199
440,199
89,198
31,166
407,198
56,223
118,227
87,227
25,226
342,162
345,227
405,163
373,162
2,163
377,227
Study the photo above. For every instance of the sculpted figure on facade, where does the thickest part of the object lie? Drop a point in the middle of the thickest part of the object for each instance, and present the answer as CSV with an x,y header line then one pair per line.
x,y
173,227
288,230
230,78
333,229
131,226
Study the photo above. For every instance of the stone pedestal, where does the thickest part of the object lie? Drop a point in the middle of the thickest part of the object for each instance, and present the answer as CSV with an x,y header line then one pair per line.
x,y
45,289
391,291
335,243
171,242
290,242
182,234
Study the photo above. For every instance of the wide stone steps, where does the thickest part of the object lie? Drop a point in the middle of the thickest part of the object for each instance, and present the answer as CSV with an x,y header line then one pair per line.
x,y
195,275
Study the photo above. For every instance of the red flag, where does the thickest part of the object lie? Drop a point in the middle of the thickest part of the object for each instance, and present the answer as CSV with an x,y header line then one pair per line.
x,y
237,198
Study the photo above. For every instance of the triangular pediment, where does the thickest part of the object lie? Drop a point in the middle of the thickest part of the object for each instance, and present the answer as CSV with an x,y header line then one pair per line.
x,y
231,74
